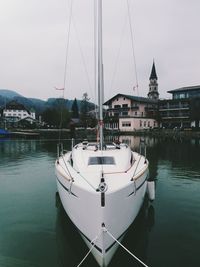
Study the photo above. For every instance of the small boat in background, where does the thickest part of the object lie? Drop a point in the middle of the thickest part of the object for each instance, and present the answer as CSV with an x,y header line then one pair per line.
x,y
4,133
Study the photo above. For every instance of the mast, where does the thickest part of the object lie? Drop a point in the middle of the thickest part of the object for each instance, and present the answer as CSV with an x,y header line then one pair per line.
x,y
100,70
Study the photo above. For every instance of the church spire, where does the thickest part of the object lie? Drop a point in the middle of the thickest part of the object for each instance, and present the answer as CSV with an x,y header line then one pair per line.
x,y
153,73
153,85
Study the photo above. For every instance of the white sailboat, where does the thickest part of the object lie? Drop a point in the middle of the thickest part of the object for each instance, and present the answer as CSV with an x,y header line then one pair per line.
x,y
101,186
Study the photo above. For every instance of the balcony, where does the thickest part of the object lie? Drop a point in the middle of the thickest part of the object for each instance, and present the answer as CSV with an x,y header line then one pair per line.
x,y
134,107
150,109
173,115
174,106
124,116
120,109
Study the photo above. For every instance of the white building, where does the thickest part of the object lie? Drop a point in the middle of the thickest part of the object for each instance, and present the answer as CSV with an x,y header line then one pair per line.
x,y
17,112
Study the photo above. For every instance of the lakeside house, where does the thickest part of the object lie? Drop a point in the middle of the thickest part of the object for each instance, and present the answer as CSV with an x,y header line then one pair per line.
x,y
15,113
183,110
129,113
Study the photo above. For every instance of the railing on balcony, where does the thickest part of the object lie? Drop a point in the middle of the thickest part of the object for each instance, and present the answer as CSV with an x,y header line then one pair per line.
x,y
134,107
119,109
172,107
177,114
150,108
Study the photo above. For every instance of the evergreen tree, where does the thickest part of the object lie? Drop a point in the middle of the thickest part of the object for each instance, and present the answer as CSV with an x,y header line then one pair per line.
x,y
74,110
84,110
56,117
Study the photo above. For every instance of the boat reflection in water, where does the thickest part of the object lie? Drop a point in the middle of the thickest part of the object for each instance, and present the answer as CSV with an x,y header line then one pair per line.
x,y
72,249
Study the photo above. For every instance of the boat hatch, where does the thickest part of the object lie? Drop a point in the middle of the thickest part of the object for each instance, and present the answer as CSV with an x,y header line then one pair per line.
x,y
101,161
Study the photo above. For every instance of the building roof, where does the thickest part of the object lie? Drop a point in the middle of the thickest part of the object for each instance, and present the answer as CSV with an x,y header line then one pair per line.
x,y
153,73
16,106
135,98
184,89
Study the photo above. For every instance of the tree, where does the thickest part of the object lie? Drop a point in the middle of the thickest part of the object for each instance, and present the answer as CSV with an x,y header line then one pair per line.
x,y
56,117
84,110
74,110
88,114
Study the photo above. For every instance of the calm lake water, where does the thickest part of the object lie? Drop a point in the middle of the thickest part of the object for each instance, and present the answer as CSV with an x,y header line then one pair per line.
x,y
35,231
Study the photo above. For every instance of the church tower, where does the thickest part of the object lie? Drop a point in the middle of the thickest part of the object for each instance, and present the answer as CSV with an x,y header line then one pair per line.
x,y
153,85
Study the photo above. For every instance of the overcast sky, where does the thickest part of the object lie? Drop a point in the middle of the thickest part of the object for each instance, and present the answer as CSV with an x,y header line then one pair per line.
x,y
33,41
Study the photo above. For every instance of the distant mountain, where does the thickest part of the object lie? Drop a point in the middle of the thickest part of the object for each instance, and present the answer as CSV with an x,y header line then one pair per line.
x,y
37,104
8,93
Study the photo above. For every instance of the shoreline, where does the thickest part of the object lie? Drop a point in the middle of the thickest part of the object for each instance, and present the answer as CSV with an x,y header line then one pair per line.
x,y
46,133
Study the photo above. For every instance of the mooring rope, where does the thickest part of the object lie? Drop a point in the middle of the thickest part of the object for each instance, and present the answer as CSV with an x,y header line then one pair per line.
x,y
106,230
93,242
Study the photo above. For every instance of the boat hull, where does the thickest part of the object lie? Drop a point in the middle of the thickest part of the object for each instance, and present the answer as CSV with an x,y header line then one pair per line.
x,y
117,213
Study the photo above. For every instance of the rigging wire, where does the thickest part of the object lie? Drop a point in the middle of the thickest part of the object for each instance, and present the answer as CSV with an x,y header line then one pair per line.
x,y
117,57
95,58
82,54
120,46
67,46
72,23
132,43
65,69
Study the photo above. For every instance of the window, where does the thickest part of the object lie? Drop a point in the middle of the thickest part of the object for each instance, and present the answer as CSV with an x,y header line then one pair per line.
x,y
126,124
140,123
148,123
125,113
182,95
135,112
125,105
117,106
101,161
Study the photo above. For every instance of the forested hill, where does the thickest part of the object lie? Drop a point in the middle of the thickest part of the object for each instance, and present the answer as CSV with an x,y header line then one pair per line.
x,y
37,104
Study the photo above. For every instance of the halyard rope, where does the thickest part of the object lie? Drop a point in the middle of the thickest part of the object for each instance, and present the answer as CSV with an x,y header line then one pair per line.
x,y
106,230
